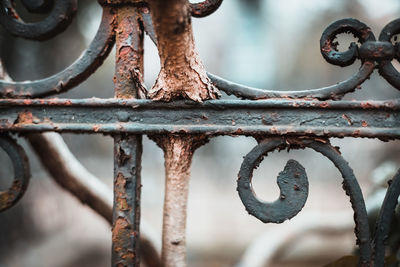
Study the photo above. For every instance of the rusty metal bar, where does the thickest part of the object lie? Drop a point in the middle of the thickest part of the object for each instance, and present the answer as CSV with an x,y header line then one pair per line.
x,y
127,148
127,189
374,119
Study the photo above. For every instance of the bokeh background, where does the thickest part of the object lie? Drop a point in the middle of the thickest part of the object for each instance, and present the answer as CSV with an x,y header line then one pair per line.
x,y
261,43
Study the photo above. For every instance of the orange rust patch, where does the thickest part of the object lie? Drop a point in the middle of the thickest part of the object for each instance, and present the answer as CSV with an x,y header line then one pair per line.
x,y
128,255
121,233
364,124
327,46
96,128
295,104
366,105
120,229
239,131
26,117
52,101
121,201
324,105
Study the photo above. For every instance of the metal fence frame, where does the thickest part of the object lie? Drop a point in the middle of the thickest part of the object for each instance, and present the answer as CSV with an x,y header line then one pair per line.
x,y
277,119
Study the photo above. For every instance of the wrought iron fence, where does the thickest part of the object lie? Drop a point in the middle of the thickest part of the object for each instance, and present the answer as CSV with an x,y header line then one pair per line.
x,y
277,119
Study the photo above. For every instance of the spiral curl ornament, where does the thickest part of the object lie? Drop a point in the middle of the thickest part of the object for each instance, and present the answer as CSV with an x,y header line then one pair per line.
x,y
21,173
77,72
292,182
386,68
328,45
328,48
204,8
59,18
293,185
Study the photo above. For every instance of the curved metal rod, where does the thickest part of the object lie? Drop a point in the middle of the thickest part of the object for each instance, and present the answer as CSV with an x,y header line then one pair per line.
x,y
263,210
21,173
292,182
385,218
328,45
336,91
386,68
149,26
204,8
77,72
57,21
329,51
353,190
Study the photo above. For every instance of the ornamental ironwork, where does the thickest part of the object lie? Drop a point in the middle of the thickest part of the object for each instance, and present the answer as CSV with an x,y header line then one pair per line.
x,y
277,119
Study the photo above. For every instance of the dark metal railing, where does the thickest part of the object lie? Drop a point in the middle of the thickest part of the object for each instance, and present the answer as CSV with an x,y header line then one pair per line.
x,y
277,119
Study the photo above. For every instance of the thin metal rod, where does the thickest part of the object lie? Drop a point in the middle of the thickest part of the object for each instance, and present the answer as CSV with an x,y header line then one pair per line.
x,y
127,148
127,189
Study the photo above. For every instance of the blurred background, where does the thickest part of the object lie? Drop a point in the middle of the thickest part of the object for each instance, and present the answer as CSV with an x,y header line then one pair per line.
x,y
266,44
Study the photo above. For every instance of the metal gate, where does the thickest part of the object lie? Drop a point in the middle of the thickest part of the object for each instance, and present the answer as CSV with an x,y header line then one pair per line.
x,y
277,119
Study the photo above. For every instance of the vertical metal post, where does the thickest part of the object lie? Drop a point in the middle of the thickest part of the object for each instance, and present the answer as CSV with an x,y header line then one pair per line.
x,y
126,213
127,148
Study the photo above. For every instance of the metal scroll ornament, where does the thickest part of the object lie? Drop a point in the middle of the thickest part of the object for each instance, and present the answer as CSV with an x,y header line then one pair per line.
x,y
59,17
21,173
294,187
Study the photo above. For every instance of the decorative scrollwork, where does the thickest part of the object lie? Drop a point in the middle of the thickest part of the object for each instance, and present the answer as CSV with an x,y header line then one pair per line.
x,y
204,8
328,45
296,189
60,17
372,53
292,181
386,68
21,173
73,75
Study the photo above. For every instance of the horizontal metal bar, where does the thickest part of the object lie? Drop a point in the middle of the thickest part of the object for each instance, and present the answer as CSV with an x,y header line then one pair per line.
x,y
374,119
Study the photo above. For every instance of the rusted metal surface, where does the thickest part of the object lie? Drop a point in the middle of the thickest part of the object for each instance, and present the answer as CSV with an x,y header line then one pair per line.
x,y
127,148
129,57
127,188
278,119
235,117
119,3
21,172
